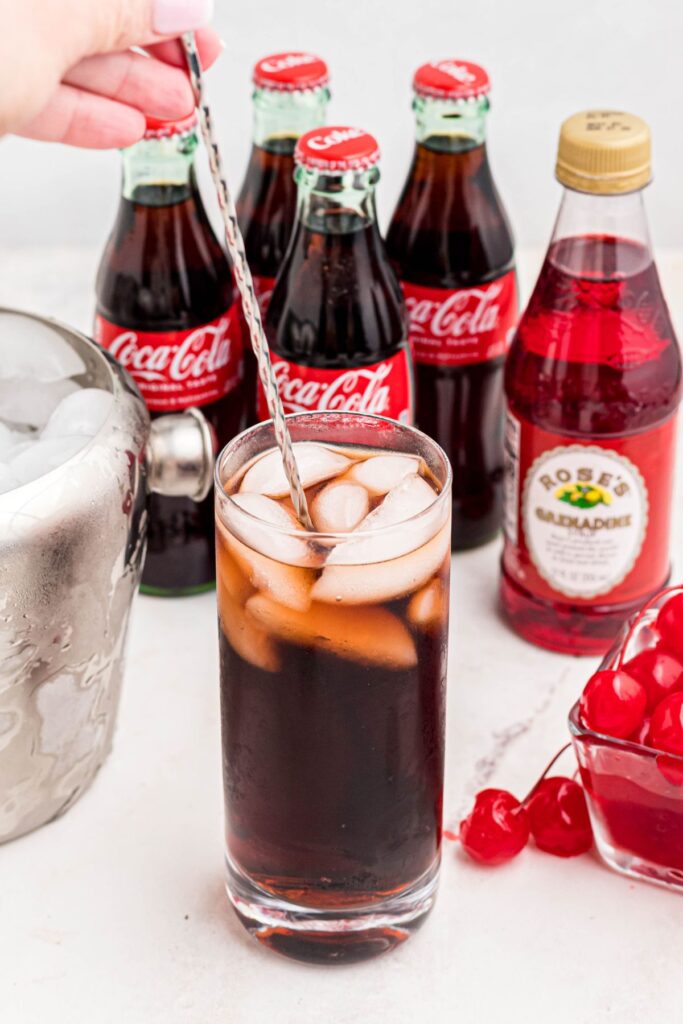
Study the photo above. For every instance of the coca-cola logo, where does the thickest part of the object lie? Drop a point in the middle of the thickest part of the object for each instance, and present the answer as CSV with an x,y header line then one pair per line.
x,y
358,390
203,351
462,314
458,72
288,60
334,137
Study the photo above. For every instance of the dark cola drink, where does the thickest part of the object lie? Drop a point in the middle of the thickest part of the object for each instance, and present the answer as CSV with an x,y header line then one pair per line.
x,y
165,310
451,245
336,320
290,98
333,671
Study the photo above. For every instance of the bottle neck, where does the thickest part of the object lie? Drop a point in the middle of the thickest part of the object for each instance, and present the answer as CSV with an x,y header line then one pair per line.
x,y
158,172
450,126
603,218
336,204
281,117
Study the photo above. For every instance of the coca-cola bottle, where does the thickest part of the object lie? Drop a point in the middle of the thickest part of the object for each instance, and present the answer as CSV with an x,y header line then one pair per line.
x,y
290,97
336,320
593,381
166,310
451,244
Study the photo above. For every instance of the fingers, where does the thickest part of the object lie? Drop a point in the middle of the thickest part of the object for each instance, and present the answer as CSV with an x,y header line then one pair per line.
x,y
171,51
120,24
79,118
145,83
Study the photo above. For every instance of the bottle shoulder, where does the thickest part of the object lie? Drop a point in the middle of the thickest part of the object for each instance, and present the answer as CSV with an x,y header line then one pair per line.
x,y
163,268
450,228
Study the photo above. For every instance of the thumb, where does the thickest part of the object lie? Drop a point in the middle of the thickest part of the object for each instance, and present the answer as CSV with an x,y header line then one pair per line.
x,y
119,24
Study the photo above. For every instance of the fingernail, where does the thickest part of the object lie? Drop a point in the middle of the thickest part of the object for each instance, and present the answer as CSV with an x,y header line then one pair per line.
x,y
170,17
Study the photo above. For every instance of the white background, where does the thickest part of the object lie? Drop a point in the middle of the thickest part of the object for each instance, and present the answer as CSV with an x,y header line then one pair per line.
x,y
546,59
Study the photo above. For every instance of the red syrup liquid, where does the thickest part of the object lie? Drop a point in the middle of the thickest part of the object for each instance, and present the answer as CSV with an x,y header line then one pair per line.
x,y
594,361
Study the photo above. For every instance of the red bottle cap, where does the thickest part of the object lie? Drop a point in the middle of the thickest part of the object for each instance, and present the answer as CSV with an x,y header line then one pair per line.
x,y
337,149
157,129
451,80
290,72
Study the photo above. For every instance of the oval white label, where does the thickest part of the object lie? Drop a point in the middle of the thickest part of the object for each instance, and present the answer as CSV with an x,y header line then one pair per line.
x,y
585,512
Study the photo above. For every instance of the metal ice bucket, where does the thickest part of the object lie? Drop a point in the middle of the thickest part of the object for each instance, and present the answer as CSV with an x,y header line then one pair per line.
x,y
72,544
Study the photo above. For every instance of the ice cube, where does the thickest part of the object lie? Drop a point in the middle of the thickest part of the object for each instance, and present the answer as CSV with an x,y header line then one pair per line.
x,y
278,543
339,507
230,577
246,636
381,473
289,584
371,636
39,457
428,608
82,413
316,463
31,402
412,496
8,480
35,351
9,439
407,499
382,581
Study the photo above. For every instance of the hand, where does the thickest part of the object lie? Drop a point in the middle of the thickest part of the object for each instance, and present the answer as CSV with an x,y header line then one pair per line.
x,y
67,73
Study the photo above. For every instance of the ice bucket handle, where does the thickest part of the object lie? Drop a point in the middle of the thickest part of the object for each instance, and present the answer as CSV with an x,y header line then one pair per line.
x,y
180,455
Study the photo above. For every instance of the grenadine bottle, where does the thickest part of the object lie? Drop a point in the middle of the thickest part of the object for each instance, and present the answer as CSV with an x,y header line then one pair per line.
x,y
336,320
593,382
452,247
166,310
290,97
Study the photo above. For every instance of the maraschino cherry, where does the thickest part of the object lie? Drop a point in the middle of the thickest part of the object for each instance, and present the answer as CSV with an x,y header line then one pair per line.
x,y
496,829
558,817
669,625
613,703
666,727
660,673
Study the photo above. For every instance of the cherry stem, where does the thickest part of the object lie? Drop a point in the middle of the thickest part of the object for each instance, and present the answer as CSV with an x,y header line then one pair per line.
x,y
639,618
547,768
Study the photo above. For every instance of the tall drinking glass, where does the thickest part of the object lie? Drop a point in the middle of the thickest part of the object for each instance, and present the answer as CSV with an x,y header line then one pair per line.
x,y
333,651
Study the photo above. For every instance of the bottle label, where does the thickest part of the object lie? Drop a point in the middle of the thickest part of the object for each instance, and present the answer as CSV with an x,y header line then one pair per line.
x,y
380,389
263,289
588,520
177,369
462,326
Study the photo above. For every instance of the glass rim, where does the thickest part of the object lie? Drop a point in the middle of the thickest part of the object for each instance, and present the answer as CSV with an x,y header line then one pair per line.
x,y
441,498
582,732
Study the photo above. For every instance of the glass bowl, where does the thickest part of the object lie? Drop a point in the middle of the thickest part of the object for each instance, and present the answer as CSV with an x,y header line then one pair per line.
x,y
634,793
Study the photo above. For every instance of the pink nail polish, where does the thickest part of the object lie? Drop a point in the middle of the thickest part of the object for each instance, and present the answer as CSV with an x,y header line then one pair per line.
x,y
170,17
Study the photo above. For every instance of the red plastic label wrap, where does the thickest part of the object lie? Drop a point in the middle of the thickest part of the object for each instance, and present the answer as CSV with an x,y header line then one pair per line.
x,y
468,325
588,520
177,369
381,389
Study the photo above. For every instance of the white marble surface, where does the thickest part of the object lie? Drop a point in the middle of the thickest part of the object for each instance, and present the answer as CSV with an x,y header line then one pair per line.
x,y
115,914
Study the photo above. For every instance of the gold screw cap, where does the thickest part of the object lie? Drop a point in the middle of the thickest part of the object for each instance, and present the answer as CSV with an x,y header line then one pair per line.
x,y
604,152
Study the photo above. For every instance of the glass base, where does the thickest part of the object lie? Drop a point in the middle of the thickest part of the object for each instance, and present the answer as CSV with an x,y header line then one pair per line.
x,y
636,867
200,588
560,626
343,936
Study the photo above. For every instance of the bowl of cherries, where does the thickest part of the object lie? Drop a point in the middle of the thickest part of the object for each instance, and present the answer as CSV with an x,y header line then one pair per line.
x,y
627,733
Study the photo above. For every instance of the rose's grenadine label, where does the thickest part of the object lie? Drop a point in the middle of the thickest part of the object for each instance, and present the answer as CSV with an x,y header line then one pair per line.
x,y
380,389
588,519
177,369
458,327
